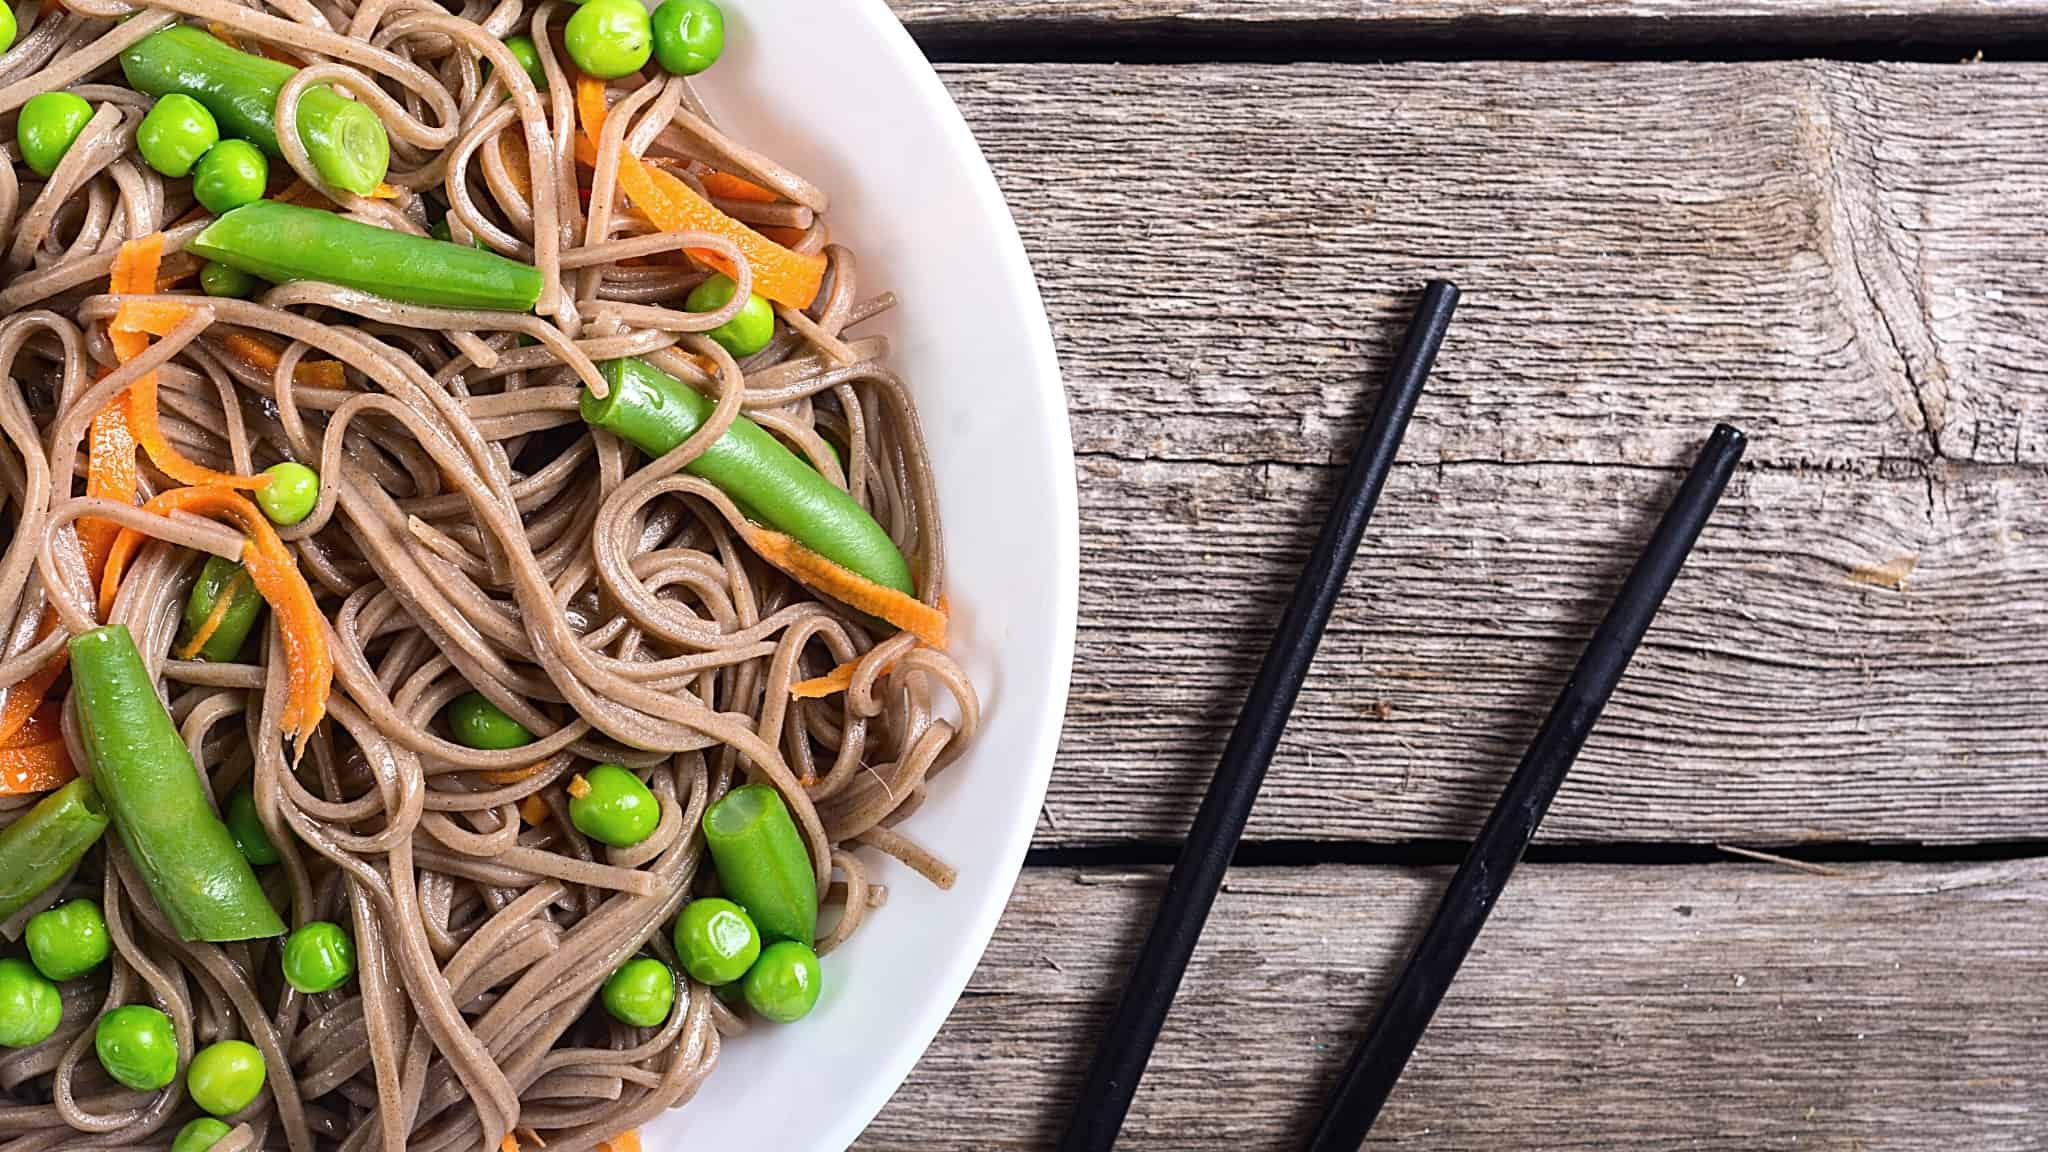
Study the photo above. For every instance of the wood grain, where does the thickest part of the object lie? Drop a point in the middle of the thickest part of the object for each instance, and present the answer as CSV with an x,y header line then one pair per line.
x,y
1842,258
1327,24
1784,694
1893,1008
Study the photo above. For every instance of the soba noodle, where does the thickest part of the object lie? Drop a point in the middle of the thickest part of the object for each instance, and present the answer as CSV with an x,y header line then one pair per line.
x,y
471,533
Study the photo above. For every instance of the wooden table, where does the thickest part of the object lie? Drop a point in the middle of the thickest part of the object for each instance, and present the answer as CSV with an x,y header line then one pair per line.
x,y
1229,205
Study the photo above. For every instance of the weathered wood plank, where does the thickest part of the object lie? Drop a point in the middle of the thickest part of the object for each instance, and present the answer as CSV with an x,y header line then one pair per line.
x,y
1841,257
1647,23
1788,692
1890,1009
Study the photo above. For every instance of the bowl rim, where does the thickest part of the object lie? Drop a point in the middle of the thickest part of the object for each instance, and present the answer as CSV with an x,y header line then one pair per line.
x,y
1009,260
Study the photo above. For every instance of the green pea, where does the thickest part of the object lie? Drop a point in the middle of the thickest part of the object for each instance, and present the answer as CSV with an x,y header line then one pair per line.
x,y
744,334
69,940
529,60
218,279
611,806
30,1008
48,124
248,830
231,174
200,1135
609,38
783,984
175,134
640,993
293,491
441,232
137,1046
478,723
319,957
688,35
7,27
225,1077
716,941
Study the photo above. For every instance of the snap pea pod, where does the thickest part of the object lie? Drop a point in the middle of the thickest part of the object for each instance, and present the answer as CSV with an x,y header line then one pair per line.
x,y
281,242
762,862
346,141
185,854
219,578
656,412
40,847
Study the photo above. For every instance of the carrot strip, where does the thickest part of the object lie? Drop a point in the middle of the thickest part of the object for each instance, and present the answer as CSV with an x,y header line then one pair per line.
x,y
518,161
816,572
34,768
509,1144
271,565
511,775
727,186
111,473
837,680
222,601
781,275
787,237
142,412
265,357
25,698
150,317
534,810
627,1141
383,191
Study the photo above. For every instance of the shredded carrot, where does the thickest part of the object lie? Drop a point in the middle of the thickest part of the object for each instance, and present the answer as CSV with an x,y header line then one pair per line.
x,y
277,577
222,601
781,275
111,474
837,680
383,191
264,357
787,237
530,1136
727,186
534,810
852,589
511,775
627,1141
518,161
509,1144
34,768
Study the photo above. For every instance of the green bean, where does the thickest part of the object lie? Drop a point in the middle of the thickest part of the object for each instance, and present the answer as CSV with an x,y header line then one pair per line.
x,y
655,412
47,841
762,862
187,858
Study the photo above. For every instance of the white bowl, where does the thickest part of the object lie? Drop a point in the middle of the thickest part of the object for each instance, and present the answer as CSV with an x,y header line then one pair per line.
x,y
836,90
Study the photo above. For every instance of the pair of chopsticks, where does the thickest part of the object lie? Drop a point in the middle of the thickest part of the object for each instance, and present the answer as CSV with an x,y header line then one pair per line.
x,y
1155,978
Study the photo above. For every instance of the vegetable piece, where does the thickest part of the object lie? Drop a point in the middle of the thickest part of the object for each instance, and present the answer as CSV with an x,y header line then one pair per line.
x,y
441,232
477,723
185,854
613,807
217,279
763,863
219,614
716,941
225,1077
47,841
251,838
8,27
689,35
112,473
283,242
33,757
319,957
640,993
30,1008
726,186
231,174
839,679
271,565
200,1134
656,412
781,275
175,134
784,983
627,1141
529,60
293,492
744,334
609,38
70,940
346,141
137,1046
265,357
47,125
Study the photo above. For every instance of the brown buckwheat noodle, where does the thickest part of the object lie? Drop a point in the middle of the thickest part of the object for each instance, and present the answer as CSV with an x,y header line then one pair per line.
x,y
471,532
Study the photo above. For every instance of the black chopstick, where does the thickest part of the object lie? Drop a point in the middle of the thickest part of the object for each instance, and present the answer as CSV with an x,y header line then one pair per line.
x,y
1155,977
1378,1062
